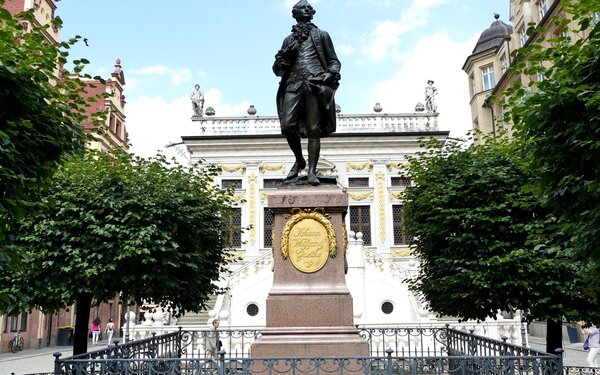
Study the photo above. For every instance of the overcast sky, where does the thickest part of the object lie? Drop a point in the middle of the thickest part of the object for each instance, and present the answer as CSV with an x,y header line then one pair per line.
x,y
388,50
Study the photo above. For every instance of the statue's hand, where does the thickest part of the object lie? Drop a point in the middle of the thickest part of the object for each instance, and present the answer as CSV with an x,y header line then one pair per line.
x,y
328,77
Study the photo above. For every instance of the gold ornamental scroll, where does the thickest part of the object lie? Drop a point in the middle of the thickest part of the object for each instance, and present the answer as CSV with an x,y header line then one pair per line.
x,y
308,239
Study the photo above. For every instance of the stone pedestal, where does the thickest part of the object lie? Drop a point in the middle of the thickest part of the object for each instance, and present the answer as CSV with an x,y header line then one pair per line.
x,y
309,314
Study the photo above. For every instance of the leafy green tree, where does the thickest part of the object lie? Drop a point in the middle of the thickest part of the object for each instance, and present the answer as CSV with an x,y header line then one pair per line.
x,y
557,119
148,229
471,216
40,115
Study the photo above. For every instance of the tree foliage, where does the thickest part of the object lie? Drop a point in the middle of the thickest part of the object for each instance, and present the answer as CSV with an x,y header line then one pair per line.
x,y
40,116
39,112
557,120
471,216
113,223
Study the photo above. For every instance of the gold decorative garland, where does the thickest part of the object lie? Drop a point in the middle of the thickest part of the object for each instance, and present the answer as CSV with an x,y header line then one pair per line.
x,y
233,168
381,205
361,197
359,166
272,167
317,214
402,253
264,196
396,195
396,165
252,203
235,256
238,197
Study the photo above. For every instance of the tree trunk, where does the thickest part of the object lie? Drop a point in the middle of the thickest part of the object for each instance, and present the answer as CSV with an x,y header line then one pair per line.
x,y
80,337
553,335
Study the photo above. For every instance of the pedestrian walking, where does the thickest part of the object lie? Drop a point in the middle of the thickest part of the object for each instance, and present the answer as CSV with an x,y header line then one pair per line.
x,y
592,337
110,330
95,330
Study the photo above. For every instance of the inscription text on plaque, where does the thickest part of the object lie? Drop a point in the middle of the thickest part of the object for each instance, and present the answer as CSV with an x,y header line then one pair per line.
x,y
308,245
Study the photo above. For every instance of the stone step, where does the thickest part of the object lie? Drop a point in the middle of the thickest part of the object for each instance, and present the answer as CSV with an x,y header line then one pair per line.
x,y
201,318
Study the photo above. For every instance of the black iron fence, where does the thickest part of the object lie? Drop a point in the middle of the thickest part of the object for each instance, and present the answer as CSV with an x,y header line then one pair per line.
x,y
415,351
389,364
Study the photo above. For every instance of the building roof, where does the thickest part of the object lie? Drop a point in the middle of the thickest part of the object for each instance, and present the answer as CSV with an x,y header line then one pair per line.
x,y
493,36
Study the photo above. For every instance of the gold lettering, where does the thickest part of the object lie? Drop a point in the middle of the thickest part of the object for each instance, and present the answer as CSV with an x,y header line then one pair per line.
x,y
308,246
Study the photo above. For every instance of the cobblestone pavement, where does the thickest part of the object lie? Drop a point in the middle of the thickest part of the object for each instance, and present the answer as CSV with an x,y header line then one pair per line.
x,y
33,361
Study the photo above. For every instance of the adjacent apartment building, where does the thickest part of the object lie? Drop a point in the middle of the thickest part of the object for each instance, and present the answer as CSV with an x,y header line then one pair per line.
x,y
487,66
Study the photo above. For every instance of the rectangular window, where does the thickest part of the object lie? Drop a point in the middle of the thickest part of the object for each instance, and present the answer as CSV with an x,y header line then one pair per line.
x,y
542,8
358,182
400,181
23,326
522,37
399,236
268,227
271,183
489,81
234,229
472,85
14,323
231,184
504,64
110,308
360,221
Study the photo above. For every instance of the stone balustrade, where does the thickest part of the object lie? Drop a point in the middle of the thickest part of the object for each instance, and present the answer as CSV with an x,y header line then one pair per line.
x,y
371,123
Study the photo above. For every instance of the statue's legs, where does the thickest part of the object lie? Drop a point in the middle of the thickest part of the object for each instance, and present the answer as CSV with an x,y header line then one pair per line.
x,y
295,143
292,106
313,120
314,148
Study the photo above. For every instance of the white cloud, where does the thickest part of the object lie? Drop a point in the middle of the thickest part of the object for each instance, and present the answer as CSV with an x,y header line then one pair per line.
x,y
149,70
180,76
177,75
385,40
153,123
439,58
345,49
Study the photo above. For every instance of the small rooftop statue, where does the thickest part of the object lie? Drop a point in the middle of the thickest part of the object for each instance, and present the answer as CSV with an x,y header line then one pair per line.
x,y
430,93
197,102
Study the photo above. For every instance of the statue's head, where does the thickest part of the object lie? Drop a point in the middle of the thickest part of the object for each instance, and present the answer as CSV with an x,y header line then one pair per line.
x,y
303,11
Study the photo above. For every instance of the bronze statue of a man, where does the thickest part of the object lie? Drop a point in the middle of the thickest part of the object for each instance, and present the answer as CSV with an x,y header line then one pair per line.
x,y
310,72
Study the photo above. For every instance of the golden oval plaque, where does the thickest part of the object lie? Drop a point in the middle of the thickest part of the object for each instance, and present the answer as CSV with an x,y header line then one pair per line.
x,y
308,245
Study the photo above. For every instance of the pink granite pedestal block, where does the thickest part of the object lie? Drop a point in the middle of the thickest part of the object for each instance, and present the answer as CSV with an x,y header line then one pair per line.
x,y
309,314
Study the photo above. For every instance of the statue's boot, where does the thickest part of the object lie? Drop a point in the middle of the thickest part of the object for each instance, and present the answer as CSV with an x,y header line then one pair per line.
x,y
296,147
314,148
296,168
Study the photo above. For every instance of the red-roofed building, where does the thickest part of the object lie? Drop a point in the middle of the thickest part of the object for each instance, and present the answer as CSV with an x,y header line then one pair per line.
x,y
112,133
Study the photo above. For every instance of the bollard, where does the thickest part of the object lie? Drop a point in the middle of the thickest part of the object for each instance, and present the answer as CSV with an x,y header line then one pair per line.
x,y
56,363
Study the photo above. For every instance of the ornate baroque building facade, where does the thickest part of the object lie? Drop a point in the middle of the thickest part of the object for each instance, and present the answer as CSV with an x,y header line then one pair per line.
x,y
366,154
